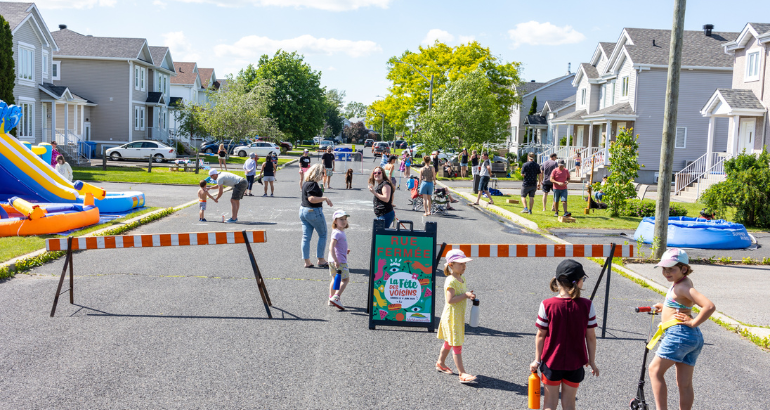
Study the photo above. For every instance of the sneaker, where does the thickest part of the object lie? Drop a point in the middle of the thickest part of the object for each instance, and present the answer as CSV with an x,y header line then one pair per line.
x,y
335,300
265,194
530,212
231,220
203,220
568,214
329,301
271,194
556,213
525,211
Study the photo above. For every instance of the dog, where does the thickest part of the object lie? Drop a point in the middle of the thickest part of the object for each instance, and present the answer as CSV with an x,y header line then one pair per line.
x,y
349,179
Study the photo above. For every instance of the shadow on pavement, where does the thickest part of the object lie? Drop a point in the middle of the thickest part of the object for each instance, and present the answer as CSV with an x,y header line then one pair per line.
x,y
486,382
101,313
485,331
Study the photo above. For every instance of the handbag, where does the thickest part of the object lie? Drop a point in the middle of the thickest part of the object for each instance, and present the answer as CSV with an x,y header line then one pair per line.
x,y
415,192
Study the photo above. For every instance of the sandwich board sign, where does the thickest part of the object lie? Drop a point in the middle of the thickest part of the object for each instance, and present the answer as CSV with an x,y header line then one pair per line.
x,y
402,268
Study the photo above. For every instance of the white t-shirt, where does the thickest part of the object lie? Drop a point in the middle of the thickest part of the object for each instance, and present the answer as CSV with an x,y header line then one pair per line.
x,y
228,179
484,172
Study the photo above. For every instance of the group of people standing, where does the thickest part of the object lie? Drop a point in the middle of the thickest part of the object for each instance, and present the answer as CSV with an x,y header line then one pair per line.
x,y
552,175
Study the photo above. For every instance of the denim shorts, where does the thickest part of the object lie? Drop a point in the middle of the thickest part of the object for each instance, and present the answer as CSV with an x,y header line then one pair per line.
x,y
559,194
426,188
681,344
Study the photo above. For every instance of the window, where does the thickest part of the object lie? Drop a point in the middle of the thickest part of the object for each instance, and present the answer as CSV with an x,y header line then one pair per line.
x,y
26,127
139,118
143,75
625,86
752,66
165,118
681,137
26,64
612,85
45,64
56,70
136,77
149,145
583,97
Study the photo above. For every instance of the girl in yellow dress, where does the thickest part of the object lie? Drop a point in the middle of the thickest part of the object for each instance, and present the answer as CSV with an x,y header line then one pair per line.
x,y
452,326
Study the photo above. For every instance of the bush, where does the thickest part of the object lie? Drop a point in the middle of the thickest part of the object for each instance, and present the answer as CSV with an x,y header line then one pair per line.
x,y
640,209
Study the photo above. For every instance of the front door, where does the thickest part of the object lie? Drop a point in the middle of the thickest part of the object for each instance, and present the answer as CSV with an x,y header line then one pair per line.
x,y
747,135
579,142
87,130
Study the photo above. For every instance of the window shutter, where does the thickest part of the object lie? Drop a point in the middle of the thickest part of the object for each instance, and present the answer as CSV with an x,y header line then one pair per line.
x,y
681,137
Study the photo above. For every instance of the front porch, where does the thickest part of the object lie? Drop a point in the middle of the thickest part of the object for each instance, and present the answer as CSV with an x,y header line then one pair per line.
x,y
66,121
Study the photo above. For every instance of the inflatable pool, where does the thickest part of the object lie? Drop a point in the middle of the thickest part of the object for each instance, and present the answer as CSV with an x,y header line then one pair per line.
x,y
684,232
22,218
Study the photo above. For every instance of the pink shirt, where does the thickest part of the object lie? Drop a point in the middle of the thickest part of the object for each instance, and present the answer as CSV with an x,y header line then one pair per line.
x,y
560,175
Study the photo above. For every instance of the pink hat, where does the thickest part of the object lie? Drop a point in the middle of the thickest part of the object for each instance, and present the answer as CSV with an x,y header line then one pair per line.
x,y
672,257
456,255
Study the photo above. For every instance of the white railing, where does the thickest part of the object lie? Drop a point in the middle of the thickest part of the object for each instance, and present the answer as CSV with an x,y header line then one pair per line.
x,y
704,166
524,149
543,156
159,134
585,154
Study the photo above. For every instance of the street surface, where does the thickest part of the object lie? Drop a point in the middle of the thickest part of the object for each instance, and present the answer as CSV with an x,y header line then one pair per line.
x,y
185,327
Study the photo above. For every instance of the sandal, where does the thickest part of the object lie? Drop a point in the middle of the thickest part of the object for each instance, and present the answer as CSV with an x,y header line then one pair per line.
x,y
443,369
466,378
309,266
324,265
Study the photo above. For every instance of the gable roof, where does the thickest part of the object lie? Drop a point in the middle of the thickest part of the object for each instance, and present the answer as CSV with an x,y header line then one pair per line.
x,y
206,74
530,87
623,108
698,49
73,44
557,105
745,99
736,102
186,73
607,48
761,28
576,116
158,54
16,14
59,91
760,31
590,71
536,119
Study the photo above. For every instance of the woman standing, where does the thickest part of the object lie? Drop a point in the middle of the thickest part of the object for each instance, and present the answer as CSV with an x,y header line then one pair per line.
x,y
427,178
390,169
250,169
463,163
475,171
382,189
406,163
312,216
268,172
222,157
578,160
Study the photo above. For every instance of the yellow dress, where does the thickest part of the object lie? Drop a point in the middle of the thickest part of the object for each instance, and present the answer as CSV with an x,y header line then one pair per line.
x,y
452,326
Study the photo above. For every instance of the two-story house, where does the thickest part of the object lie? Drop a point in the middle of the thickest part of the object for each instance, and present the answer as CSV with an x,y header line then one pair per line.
x,y
624,85
121,75
191,86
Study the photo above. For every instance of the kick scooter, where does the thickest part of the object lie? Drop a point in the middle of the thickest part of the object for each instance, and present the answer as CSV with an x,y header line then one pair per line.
x,y
639,403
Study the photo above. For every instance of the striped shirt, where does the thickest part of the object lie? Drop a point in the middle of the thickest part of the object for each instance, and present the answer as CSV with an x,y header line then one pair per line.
x,y
566,321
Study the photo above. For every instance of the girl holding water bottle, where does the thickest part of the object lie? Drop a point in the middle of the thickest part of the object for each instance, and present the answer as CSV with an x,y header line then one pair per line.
x,y
338,258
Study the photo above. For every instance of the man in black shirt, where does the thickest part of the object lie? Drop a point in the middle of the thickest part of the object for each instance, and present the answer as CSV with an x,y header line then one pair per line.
x,y
547,168
304,165
328,160
532,179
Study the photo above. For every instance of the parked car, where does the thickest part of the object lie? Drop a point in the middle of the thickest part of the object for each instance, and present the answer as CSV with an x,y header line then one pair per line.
x,y
326,144
401,144
212,147
142,150
286,145
380,148
368,143
261,148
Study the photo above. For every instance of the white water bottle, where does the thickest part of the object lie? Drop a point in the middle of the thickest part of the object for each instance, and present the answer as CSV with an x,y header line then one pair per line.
x,y
475,313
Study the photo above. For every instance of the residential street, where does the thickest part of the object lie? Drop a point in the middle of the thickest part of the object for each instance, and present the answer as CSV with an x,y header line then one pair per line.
x,y
185,327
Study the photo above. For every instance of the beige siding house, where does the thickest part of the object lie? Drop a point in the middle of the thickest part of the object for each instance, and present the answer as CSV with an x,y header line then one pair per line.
x,y
122,76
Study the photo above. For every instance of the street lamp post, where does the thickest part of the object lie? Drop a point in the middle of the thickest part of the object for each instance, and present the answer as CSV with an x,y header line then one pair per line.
x,y
430,93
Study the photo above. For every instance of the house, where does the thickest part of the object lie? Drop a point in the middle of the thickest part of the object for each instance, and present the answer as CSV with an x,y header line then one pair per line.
x,y
528,133
623,86
744,105
128,79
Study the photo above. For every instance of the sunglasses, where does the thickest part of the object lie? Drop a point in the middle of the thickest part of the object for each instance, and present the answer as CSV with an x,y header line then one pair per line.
x,y
376,173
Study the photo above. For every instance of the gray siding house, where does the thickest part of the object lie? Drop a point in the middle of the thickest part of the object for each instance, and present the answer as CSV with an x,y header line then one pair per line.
x,y
554,90
623,86
128,79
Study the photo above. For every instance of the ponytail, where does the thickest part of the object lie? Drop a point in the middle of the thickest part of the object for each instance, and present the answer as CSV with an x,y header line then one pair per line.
x,y
447,270
572,289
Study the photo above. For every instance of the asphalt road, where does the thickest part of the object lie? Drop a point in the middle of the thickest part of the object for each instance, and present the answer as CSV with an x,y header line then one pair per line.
x,y
185,328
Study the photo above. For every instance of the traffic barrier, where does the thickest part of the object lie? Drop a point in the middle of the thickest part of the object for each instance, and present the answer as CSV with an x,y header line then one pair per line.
x,y
552,251
71,244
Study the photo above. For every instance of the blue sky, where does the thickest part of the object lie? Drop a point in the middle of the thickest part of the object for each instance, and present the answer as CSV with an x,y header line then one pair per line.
x,y
349,41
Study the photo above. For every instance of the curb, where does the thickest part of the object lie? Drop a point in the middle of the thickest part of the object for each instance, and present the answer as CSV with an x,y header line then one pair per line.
x,y
759,332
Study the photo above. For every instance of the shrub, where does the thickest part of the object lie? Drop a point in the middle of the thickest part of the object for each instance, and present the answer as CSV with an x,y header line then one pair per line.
x,y
624,168
640,209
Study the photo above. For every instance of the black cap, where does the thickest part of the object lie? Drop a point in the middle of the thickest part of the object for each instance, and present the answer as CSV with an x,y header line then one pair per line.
x,y
572,269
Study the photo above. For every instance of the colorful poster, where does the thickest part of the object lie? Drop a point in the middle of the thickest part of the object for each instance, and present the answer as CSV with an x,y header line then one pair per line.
x,y
403,278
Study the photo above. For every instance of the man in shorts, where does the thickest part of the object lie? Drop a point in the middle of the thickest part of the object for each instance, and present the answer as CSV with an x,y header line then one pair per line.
x,y
223,179
559,178
304,165
532,179
328,160
547,168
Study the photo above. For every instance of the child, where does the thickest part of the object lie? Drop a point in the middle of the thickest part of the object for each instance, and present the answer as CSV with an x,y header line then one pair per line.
x,y
565,327
203,192
338,257
452,326
682,339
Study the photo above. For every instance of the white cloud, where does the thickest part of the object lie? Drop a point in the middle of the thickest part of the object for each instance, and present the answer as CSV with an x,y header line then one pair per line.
x,y
181,49
544,34
160,4
331,68
466,39
74,4
254,46
437,34
329,5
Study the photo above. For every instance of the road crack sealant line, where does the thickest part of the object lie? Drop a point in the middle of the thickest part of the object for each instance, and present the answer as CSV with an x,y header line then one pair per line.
x,y
758,335
39,257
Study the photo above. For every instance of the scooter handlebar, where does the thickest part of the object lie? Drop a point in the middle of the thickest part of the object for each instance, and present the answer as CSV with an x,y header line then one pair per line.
x,y
643,309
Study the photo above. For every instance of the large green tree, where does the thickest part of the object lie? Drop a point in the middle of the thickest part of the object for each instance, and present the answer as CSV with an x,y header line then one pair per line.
x,y
241,110
465,115
7,66
355,109
189,118
298,102
332,116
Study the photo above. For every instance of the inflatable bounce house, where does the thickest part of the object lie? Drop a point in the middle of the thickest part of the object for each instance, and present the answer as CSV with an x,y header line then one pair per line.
x,y
36,200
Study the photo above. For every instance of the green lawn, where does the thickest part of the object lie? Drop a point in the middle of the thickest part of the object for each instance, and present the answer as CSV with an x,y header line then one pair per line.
x,y
516,177
213,160
596,219
14,246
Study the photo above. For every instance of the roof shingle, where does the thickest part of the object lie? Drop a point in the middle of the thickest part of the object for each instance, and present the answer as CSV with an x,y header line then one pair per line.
x,y
157,54
536,120
698,49
14,13
590,70
185,73
205,74
761,28
607,48
745,99
75,44
577,115
617,109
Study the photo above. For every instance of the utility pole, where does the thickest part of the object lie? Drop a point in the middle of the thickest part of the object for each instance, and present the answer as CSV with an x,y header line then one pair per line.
x,y
669,129
430,95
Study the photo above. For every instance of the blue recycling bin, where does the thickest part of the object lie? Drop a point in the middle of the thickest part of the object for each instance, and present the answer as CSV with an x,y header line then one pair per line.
x,y
343,154
86,149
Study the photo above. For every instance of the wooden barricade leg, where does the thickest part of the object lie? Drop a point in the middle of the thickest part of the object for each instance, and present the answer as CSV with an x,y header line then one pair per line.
x,y
258,277
67,263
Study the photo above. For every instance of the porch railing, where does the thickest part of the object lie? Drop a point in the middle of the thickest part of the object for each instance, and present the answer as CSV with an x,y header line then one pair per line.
x,y
70,143
704,166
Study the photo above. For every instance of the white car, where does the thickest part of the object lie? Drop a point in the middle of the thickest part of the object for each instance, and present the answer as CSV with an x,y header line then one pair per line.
x,y
159,151
261,148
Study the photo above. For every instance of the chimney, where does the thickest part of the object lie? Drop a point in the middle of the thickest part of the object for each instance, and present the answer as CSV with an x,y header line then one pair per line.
x,y
707,29
653,43
532,81
62,26
569,68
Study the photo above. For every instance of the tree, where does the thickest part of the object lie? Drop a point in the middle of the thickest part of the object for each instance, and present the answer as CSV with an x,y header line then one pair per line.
x,y
465,115
745,188
335,98
356,132
298,102
355,109
533,107
624,169
241,110
189,119
7,66
332,117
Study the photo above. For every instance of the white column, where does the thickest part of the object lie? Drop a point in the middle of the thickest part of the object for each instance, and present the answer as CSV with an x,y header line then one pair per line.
x,y
590,134
607,143
733,146
555,137
710,142
82,119
53,121
66,121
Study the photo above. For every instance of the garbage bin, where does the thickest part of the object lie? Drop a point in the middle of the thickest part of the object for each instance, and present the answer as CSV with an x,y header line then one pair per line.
x,y
92,149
